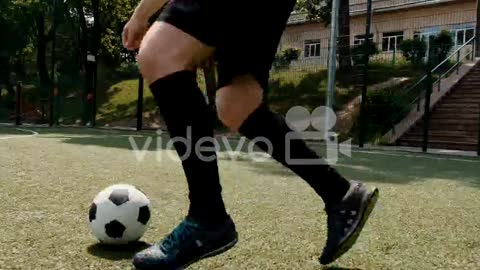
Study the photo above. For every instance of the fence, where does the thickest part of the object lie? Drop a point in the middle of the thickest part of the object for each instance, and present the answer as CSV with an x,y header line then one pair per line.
x,y
374,63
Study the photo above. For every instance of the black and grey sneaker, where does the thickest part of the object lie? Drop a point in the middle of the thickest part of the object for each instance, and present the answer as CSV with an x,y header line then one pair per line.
x,y
345,220
188,243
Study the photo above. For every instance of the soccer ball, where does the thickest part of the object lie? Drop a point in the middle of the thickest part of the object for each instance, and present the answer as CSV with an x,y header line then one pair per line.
x,y
119,214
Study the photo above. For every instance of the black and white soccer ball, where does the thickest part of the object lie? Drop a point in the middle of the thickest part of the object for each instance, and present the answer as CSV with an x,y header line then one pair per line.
x,y
119,214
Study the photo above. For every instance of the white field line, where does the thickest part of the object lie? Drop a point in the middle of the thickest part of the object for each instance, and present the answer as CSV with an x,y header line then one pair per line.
x,y
33,134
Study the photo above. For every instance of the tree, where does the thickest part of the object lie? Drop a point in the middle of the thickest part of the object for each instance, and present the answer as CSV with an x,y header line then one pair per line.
x,y
15,29
285,57
320,10
441,46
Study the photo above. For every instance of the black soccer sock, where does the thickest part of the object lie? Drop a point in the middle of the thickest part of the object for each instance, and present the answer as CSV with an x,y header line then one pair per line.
x,y
325,180
187,117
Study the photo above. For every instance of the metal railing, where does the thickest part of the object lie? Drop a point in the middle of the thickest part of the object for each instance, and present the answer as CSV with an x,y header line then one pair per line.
x,y
446,61
458,61
423,88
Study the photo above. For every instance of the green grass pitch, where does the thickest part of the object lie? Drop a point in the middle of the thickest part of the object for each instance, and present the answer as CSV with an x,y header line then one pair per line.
x,y
428,215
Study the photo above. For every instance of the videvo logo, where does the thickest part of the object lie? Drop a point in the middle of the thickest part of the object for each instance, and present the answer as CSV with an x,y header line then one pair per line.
x,y
315,127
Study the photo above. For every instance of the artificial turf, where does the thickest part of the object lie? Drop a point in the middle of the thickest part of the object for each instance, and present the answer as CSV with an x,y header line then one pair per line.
x,y
428,215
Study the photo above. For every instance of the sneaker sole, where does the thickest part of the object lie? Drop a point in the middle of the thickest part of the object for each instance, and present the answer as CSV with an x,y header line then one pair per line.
x,y
371,201
216,252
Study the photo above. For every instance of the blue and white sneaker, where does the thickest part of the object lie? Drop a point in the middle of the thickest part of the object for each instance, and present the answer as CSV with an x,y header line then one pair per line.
x,y
345,220
188,243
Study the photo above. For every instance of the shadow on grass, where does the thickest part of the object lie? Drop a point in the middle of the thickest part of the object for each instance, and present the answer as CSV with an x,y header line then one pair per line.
x,y
394,168
380,166
116,253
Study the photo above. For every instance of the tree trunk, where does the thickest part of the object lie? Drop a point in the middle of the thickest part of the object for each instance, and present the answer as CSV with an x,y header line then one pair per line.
x,y
82,36
96,36
344,54
41,51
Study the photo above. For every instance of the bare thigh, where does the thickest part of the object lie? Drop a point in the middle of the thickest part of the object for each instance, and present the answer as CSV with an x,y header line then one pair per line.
x,y
165,49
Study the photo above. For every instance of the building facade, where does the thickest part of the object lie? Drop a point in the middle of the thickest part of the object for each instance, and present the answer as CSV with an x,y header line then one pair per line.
x,y
392,22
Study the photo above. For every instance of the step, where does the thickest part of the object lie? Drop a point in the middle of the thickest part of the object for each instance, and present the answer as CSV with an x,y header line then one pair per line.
x,y
461,130
473,102
462,90
445,133
460,95
472,77
465,91
457,121
433,137
470,82
449,127
461,111
456,116
445,104
440,144
474,89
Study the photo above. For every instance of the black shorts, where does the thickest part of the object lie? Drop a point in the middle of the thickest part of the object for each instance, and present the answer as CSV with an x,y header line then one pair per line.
x,y
245,33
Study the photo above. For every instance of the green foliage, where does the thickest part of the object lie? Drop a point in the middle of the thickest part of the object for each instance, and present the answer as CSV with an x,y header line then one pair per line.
x,y
127,70
285,57
441,46
414,50
316,9
384,108
360,51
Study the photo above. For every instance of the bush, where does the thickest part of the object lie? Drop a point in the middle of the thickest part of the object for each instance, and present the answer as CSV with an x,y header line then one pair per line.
x,y
441,46
383,109
359,52
414,50
284,58
127,70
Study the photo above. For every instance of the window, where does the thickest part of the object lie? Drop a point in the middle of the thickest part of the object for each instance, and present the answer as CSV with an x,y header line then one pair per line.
x,y
312,48
463,35
391,41
360,39
424,35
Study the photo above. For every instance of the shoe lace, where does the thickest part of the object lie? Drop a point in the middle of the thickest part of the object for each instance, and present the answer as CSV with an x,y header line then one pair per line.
x,y
180,235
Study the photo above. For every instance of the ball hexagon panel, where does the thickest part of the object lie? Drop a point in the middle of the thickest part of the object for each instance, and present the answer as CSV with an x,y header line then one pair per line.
x,y
119,196
92,214
114,229
144,215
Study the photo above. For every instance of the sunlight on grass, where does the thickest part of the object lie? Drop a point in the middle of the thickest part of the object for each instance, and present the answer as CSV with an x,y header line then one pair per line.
x,y
427,216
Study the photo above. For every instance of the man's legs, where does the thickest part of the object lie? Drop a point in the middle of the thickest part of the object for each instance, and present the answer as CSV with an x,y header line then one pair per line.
x,y
348,203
